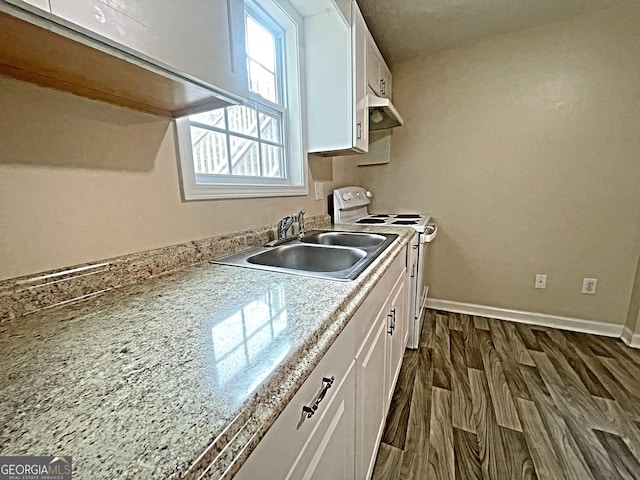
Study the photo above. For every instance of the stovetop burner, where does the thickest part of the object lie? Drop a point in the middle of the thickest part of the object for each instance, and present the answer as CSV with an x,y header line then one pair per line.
x,y
371,220
350,206
405,222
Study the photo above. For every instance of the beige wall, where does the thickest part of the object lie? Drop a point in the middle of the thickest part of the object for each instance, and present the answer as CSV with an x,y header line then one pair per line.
x,y
82,180
526,149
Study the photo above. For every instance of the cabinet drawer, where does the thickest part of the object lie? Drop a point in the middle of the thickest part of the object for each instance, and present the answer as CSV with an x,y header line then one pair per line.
x,y
329,453
292,433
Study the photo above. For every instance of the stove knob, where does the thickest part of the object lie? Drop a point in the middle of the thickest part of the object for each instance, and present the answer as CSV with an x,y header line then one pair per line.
x,y
368,194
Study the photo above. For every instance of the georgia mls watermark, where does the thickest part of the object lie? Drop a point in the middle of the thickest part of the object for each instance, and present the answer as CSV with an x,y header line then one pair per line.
x,y
35,468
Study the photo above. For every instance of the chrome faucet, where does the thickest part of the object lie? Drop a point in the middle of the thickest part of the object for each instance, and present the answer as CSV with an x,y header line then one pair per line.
x,y
283,228
301,223
284,225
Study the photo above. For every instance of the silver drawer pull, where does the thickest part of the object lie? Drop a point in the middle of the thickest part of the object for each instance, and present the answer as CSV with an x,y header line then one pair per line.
x,y
326,385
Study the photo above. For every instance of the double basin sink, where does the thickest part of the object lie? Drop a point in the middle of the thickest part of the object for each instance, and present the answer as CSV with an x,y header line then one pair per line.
x,y
333,255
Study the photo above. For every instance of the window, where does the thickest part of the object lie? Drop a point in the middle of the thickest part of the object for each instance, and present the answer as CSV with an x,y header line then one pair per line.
x,y
253,149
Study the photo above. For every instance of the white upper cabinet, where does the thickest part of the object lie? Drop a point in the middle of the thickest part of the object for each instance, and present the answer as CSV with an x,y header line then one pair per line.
x,y
373,65
385,79
361,110
378,73
335,64
204,41
42,4
159,57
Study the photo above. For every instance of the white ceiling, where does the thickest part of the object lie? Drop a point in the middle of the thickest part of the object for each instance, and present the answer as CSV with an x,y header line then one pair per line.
x,y
408,28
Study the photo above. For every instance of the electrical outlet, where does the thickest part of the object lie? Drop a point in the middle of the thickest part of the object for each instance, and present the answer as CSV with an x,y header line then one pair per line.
x,y
319,187
541,281
589,285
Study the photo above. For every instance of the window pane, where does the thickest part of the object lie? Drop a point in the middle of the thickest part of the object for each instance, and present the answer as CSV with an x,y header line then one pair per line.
x,y
261,44
272,161
270,127
209,151
245,157
242,120
215,118
262,82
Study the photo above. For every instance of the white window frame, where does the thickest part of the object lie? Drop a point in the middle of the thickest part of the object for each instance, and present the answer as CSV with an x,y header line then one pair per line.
x,y
293,133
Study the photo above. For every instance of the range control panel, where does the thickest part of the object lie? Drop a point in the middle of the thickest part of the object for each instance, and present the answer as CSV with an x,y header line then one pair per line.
x,y
346,198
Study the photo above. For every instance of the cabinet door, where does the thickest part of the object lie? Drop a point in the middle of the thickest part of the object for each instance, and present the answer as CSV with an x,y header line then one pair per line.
x,y
286,448
385,79
330,450
396,322
42,4
361,109
371,395
412,292
109,22
328,64
205,40
373,65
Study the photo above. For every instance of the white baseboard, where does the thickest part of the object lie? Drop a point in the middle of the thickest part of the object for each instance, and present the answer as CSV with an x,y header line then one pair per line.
x,y
629,338
531,318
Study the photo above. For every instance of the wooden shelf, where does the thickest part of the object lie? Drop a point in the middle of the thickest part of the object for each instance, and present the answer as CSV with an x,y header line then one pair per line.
x,y
39,50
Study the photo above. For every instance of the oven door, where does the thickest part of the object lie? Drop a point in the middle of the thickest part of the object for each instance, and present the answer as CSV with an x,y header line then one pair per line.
x,y
413,267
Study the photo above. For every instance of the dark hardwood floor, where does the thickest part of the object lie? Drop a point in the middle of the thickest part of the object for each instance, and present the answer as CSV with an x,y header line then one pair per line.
x,y
493,400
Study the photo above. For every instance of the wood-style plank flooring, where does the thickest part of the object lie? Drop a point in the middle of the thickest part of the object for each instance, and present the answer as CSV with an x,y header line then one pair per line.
x,y
489,399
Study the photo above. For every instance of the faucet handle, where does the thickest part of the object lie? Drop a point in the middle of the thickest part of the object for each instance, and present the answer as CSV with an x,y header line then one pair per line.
x,y
301,222
284,225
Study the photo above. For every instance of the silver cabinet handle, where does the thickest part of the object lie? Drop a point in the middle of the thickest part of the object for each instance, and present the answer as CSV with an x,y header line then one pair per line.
x,y
392,321
359,130
326,385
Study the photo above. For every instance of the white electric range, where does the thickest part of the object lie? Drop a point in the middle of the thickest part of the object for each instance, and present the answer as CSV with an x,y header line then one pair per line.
x,y
350,206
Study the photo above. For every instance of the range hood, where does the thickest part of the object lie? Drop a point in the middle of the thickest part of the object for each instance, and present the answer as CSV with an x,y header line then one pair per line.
x,y
382,113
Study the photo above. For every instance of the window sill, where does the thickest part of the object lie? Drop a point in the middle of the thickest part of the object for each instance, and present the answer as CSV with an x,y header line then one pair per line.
x,y
217,192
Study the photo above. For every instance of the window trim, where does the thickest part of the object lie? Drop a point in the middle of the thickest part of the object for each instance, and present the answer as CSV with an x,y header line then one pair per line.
x,y
293,126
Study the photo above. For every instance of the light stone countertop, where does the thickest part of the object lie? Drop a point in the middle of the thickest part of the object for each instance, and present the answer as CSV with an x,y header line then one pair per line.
x,y
173,377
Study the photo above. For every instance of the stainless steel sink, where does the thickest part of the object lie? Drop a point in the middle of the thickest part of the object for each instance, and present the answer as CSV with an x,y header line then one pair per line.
x,y
332,255
345,239
309,258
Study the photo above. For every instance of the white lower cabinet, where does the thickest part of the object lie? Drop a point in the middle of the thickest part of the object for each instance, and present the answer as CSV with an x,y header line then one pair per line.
x,y
378,364
370,396
329,451
340,440
296,446
396,318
